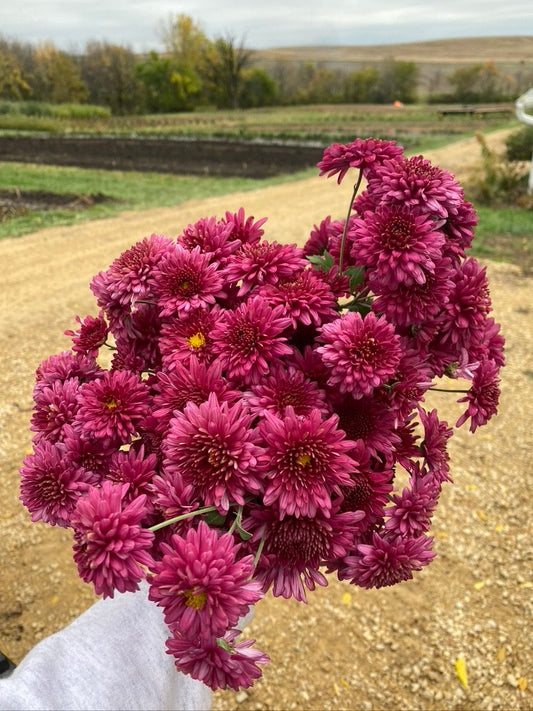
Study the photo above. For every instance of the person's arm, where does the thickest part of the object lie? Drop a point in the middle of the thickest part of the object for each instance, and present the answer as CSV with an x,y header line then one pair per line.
x,y
111,657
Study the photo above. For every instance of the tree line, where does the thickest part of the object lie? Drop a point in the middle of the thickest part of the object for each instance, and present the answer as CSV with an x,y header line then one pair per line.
x,y
196,71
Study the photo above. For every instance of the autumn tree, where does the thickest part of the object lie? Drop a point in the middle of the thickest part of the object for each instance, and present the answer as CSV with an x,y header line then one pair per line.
x,y
225,65
398,81
13,86
57,77
168,85
109,72
360,85
480,82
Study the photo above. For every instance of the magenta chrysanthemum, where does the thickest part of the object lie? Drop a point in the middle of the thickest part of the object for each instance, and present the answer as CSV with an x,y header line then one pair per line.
x,y
112,406
201,584
306,462
411,511
387,560
50,485
483,396
400,246
210,236
184,337
90,336
110,545
214,449
365,154
218,665
361,354
286,386
127,279
415,183
185,280
305,298
248,339
296,547
263,263
55,408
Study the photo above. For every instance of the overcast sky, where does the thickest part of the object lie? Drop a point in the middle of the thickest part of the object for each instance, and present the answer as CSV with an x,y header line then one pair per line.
x,y
263,23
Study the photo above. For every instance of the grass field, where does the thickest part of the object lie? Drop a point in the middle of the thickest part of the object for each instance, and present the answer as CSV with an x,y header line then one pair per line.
x,y
414,126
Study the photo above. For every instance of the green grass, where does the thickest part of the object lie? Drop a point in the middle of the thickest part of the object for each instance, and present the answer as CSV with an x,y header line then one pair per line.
x,y
129,191
505,235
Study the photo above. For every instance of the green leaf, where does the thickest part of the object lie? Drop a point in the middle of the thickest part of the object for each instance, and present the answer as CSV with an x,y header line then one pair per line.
x,y
356,276
322,262
214,519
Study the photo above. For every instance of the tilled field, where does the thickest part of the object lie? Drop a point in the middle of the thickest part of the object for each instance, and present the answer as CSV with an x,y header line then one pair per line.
x,y
348,648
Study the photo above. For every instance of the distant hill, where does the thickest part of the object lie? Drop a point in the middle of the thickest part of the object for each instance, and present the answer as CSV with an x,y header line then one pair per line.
x,y
437,59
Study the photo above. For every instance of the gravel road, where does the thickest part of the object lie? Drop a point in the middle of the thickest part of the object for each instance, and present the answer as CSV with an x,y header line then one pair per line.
x,y
348,648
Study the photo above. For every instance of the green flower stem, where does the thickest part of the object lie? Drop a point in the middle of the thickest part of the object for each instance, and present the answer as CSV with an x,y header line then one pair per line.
x,y
182,517
445,390
237,521
259,551
343,238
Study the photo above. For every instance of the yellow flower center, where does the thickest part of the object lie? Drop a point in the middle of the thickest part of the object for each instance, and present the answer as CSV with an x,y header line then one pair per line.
x,y
195,599
111,404
197,340
303,460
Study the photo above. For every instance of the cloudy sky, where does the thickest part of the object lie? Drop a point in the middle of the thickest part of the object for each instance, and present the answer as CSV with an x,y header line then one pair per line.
x,y
263,23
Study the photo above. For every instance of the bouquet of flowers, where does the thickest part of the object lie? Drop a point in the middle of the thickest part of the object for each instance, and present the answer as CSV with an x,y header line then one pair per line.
x,y
260,421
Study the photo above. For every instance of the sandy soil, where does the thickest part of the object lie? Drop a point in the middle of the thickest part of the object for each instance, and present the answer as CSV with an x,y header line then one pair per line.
x,y
348,648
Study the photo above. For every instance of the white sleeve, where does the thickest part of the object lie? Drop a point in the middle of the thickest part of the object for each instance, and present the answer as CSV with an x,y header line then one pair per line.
x,y
110,658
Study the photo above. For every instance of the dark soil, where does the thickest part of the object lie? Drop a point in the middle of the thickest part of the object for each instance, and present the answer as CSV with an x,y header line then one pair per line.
x,y
14,203
220,158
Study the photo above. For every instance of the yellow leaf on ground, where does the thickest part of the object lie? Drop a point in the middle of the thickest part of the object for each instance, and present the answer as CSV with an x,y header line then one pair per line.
x,y
499,527
460,670
480,584
500,654
526,585
522,683
346,598
481,515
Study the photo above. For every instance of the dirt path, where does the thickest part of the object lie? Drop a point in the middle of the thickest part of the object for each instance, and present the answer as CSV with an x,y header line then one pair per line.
x,y
349,648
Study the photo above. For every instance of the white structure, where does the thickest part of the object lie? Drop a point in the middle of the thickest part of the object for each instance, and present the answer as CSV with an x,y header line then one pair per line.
x,y
522,104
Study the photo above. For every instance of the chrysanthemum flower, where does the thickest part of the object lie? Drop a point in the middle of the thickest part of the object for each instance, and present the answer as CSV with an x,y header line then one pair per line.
x,y
201,584
211,236
127,279
306,462
55,407
183,385
411,511
398,244
110,545
245,228
434,445
387,560
407,305
50,485
136,341
415,183
467,306
184,337
90,336
171,497
318,240
89,454
263,263
459,230
112,406
369,489
361,354
64,366
305,298
296,547
248,339
218,665
284,386
371,421
483,396
365,154
184,280
136,470
214,449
